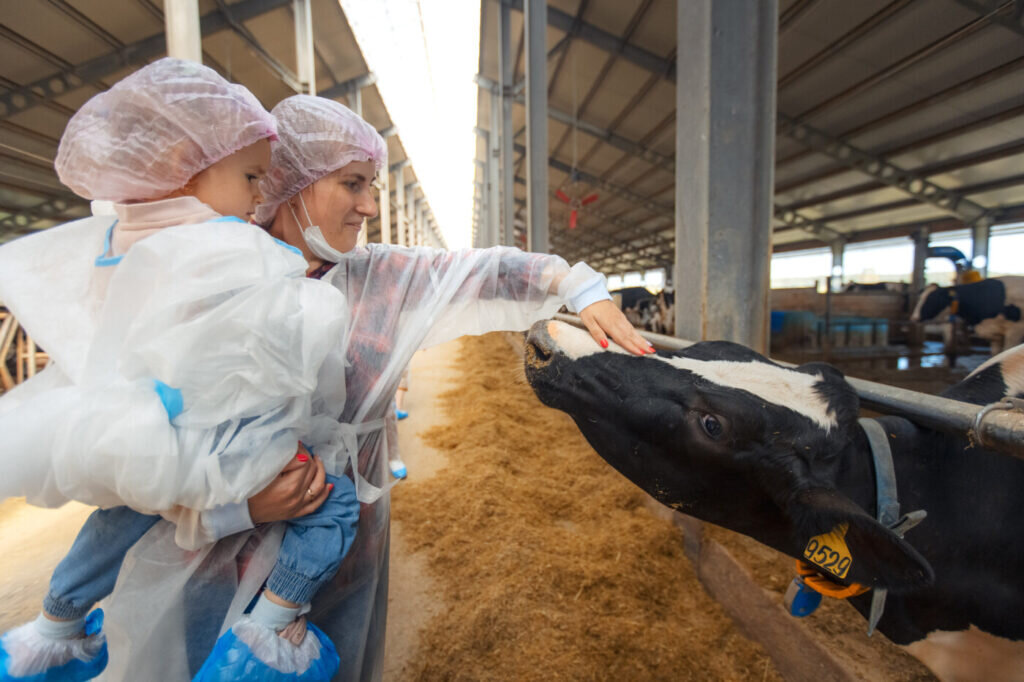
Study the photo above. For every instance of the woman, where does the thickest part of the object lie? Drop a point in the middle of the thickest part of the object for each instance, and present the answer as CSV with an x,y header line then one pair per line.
x,y
317,195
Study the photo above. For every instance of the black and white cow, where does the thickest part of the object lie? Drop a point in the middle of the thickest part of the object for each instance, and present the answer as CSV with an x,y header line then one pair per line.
x,y
992,307
722,433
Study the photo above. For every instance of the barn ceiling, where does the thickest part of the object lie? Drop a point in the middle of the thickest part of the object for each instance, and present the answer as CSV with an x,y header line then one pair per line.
x,y
892,114
56,54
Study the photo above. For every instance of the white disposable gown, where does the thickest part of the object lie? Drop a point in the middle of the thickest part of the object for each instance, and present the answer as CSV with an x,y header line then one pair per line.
x,y
218,310
401,300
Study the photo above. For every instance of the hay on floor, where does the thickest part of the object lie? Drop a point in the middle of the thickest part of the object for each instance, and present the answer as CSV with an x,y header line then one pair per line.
x,y
551,565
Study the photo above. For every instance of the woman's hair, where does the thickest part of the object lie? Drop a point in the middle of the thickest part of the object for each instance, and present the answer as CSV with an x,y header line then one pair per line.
x,y
316,136
154,130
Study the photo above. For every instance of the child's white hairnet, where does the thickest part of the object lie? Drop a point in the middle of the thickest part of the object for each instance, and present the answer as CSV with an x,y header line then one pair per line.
x,y
316,136
156,129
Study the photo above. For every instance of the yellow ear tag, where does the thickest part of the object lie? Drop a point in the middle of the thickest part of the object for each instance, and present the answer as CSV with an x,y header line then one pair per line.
x,y
829,551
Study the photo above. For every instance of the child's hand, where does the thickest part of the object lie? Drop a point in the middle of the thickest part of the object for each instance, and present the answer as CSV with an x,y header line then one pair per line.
x,y
604,318
298,490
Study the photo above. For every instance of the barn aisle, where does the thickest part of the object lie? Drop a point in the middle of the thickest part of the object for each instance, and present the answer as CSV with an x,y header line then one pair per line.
x,y
32,543
413,594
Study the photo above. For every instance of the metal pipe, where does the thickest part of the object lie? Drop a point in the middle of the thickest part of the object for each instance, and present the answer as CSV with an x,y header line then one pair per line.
x,y
305,57
535,26
181,23
508,171
493,173
1001,430
385,207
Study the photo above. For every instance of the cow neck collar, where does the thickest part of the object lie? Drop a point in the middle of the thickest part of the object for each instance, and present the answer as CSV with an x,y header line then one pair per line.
x,y
887,506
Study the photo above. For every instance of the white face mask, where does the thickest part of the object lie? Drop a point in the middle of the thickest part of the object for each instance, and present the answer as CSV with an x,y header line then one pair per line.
x,y
314,238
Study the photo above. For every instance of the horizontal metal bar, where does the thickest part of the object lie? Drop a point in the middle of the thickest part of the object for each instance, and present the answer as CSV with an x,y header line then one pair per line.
x,y
1002,430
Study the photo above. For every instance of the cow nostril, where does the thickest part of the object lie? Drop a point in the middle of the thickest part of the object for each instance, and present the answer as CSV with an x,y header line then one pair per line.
x,y
541,353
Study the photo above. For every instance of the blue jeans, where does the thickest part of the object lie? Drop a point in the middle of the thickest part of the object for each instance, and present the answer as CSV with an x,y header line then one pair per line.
x,y
311,551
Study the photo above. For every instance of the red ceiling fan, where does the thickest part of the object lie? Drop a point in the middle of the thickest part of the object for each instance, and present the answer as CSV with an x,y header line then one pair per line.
x,y
575,204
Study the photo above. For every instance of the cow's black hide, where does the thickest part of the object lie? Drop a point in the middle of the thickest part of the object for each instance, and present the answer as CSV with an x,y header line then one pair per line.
x,y
719,432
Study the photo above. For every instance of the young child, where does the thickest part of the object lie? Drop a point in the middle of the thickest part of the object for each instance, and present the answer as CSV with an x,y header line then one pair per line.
x,y
186,354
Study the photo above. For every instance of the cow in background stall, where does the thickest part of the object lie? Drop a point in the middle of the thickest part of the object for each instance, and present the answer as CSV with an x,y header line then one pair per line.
x,y
722,433
992,307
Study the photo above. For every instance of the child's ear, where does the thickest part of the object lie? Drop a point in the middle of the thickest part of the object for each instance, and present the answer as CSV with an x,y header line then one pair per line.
x,y
880,558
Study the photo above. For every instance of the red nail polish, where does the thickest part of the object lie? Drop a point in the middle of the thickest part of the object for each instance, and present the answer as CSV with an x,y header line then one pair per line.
x,y
302,458
652,350
604,343
330,486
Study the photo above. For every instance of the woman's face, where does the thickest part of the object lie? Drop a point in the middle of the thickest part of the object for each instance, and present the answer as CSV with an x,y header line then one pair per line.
x,y
339,203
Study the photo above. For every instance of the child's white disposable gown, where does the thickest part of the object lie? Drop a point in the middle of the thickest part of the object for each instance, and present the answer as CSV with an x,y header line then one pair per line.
x,y
401,300
219,311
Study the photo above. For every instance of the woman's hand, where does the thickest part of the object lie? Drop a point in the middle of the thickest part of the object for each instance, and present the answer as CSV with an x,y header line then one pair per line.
x,y
298,490
604,318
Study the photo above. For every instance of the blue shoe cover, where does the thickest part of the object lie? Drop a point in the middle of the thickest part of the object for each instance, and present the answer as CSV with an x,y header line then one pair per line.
x,y
74,670
401,414
232,659
398,469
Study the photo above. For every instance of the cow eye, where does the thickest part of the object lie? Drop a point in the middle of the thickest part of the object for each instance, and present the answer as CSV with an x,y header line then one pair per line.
x,y
711,426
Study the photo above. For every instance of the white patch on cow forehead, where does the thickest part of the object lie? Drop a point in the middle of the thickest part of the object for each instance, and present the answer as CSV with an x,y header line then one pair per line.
x,y
773,384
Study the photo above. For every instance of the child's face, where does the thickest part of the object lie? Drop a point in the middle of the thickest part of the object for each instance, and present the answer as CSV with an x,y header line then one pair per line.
x,y
230,186
339,203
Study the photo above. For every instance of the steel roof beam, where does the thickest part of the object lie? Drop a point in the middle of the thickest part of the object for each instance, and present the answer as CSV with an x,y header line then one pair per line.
x,y
606,41
919,143
1000,151
46,89
997,13
636,149
910,182
346,88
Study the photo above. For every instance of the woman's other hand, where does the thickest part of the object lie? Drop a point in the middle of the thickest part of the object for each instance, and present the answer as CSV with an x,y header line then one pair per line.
x,y
289,496
604,319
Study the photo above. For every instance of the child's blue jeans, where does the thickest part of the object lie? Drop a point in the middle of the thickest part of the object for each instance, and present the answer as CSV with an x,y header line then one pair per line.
x,y
311,551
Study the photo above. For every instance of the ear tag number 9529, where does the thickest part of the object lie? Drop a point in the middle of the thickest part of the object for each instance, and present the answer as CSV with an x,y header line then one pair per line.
x,y
829,551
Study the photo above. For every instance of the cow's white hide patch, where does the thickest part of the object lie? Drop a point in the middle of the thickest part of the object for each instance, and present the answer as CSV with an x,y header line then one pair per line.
x,y
928,291
1011,364
768,382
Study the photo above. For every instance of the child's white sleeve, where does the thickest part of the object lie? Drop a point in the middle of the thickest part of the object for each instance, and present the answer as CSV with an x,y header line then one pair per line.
x,y
194,529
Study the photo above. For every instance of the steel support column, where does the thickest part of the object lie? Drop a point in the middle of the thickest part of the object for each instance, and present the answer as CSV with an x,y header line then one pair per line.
x,y
399,208
493,174
535,27
506,77
385,206
980,233
920,256
725,128
181,23
305,56
836,274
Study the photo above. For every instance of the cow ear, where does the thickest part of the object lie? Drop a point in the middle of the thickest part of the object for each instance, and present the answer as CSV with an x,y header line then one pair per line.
x,y
879,557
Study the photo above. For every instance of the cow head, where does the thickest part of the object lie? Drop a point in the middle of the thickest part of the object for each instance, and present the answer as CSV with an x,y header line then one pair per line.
x,y
722,433
933,301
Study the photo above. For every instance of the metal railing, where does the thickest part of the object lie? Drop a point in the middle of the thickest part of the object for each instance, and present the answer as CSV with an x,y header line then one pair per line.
x,y
999,427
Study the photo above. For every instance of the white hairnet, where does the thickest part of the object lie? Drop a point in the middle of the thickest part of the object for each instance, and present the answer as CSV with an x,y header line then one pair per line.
x,y
316,136
156,129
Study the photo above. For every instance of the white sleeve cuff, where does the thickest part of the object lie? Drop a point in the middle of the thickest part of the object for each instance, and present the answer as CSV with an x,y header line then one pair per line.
x,y
226,520
582,287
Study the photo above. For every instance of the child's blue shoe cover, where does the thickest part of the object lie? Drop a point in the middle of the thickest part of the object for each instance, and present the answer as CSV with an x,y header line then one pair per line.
x,y
233,657
26,656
